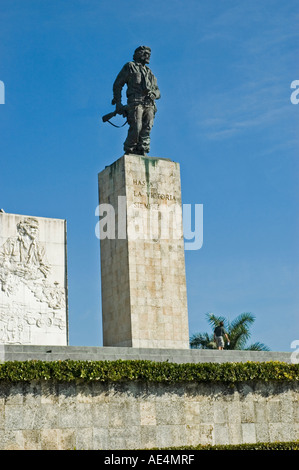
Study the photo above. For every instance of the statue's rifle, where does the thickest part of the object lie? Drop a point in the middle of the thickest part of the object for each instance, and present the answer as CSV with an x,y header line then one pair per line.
x,y
109,116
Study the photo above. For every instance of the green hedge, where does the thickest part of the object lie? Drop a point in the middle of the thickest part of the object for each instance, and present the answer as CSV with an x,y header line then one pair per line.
x,y
292,445
148,371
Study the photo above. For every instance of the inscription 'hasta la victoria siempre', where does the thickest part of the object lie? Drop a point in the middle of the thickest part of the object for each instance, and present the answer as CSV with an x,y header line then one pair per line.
x,y
153,192
156,195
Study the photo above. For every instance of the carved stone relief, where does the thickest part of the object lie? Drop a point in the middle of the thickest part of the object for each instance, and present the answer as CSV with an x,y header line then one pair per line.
x,y
32,304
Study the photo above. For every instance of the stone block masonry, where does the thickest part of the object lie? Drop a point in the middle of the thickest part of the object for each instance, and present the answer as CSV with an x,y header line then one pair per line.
x,y
140,415
134,415
144,297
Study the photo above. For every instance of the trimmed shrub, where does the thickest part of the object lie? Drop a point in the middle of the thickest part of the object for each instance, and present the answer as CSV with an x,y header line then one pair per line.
x,y
148,371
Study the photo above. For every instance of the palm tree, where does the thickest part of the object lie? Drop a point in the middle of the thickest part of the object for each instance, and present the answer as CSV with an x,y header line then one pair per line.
x,y
237,330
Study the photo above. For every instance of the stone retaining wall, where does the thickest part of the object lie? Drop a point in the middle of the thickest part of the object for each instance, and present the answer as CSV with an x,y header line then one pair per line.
x,y
134,415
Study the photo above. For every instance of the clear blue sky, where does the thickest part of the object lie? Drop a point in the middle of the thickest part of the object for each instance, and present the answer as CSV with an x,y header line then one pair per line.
x,y
224,68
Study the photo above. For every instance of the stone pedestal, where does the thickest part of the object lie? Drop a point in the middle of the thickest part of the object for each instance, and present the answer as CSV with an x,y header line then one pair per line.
x,y
33,281
144,298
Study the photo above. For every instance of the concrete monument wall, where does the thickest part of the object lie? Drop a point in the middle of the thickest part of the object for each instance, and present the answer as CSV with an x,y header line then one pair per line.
x,y
144,298
33,280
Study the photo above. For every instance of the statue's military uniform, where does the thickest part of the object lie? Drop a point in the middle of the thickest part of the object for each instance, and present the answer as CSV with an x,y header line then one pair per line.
x,y
142,91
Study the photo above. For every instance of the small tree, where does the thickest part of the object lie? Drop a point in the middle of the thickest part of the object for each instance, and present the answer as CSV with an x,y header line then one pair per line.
x,y
238,332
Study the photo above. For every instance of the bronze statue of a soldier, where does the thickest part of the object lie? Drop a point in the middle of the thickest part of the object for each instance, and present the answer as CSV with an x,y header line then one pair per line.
x,y
142,91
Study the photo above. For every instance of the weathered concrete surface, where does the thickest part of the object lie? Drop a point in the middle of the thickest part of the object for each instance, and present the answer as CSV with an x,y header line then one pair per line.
x,y
84,353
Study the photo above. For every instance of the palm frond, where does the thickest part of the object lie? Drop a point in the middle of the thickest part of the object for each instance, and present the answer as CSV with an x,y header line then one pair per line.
x,y
201,341
257,347
239,331
243,320
214,320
